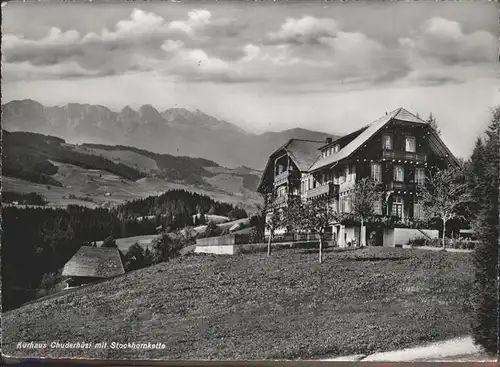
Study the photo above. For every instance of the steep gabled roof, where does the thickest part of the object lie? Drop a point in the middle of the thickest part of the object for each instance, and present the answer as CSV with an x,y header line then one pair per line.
x,y
302,152
399,114
97,262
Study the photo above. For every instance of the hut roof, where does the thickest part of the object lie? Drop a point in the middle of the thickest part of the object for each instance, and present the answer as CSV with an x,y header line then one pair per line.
x,y
97,262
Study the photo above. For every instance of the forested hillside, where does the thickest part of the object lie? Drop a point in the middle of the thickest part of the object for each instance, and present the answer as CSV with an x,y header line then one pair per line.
x,y
43,240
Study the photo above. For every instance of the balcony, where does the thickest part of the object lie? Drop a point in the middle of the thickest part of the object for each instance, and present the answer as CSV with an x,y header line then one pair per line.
x,y
402,186
329,189
281,178
282,200
404,156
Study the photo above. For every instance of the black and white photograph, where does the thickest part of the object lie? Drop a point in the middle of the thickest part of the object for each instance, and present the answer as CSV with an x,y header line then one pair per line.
x,y
250,180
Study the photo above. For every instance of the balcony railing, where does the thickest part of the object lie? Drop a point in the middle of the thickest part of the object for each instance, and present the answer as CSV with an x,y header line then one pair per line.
x,y
404,186
282,200
404,156
281,178
329,189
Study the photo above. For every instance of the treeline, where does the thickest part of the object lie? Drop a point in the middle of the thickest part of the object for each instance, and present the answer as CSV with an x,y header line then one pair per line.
x,y
26,156
31,198
187,169
176,206
37,242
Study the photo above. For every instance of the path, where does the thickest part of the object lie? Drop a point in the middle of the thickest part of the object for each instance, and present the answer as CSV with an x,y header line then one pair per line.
x,y
457,349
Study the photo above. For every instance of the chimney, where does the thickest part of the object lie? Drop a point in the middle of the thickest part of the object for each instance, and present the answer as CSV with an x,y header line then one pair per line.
x,y
328,140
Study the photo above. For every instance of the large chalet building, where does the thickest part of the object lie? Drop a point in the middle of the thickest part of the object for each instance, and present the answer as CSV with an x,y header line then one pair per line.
x,y
395,150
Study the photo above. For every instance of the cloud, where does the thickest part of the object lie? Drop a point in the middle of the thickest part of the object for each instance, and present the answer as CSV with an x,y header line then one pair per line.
x,y
443,41
26,71
196,20
143,35
304,31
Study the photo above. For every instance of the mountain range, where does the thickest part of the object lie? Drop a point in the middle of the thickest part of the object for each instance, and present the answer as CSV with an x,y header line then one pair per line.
x,y
175,131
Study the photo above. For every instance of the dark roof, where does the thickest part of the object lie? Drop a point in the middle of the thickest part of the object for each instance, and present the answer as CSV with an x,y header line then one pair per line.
x,y
302,152
399,114
97,262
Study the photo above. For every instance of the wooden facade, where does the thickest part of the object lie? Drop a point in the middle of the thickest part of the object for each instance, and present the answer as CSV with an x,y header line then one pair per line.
x,y
397,150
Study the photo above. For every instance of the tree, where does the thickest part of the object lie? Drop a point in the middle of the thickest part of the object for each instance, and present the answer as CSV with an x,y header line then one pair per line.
x,y
274,220
164,248
445,196
366,192
484,182
433,124
134,258
212,210
272,216
202,220
148,257
212,229
316,216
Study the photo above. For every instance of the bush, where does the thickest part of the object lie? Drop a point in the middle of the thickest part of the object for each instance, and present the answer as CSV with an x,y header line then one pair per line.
x,y
164,248
212,230
135,258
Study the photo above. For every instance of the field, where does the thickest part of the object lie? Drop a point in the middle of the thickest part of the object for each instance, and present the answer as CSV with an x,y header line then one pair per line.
x,y
92,188
287,306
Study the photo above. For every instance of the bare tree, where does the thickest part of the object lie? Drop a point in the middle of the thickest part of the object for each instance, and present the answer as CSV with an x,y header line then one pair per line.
x,y
316,216
445,196
272,216
366,192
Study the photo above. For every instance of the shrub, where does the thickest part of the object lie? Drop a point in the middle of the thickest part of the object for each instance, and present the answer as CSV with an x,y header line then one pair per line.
x,y
135,258
212,230
164,248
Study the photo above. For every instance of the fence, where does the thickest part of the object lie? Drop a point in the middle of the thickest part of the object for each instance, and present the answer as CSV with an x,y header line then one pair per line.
x,y
300,237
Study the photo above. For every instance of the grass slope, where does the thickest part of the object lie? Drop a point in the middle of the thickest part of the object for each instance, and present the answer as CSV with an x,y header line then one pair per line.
x,y
250,306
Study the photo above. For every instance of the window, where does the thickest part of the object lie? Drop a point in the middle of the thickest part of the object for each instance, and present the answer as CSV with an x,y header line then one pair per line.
x,y
399,175
330,150
419,176
345,204
377,207
410,144
418,209
376,172
346,173
323,153
397,207
336,148
387,142
349,174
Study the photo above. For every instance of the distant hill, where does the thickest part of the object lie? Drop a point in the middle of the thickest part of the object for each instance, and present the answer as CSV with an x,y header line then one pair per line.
x,y
101,175
175,131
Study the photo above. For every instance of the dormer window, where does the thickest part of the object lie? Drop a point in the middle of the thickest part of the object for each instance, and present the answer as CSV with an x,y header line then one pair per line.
x,y
336,148
387,142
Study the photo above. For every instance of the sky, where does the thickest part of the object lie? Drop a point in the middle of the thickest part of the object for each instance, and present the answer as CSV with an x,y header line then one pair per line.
x,y
326,66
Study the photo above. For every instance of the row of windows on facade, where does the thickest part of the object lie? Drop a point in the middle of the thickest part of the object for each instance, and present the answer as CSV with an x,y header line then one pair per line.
x,y
345,206
349,175
410,145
